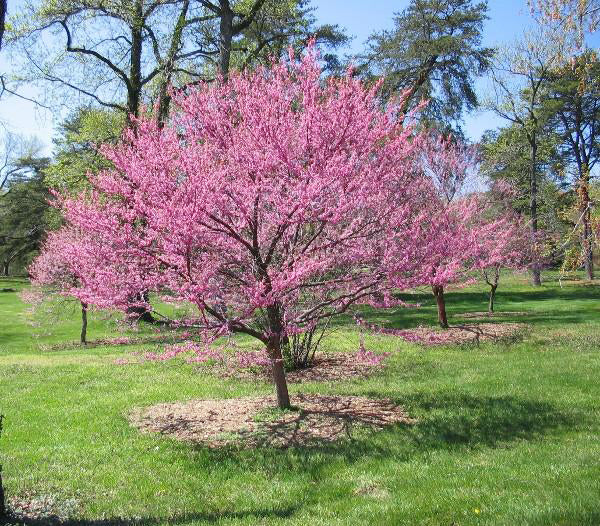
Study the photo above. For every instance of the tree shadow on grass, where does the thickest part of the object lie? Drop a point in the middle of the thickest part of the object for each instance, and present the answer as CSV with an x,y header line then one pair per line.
x,y
445,421
186,518
450,421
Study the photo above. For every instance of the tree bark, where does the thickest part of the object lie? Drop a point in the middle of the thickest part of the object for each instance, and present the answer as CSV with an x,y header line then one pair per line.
x,y
586,218
2,497
6,268
134,89
3,9
225,37
438,292
274,350
533,189
164,99
492,298
84,309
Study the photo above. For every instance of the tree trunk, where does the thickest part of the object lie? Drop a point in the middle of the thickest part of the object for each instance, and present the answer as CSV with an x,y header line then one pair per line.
x,y
283,396
438,292
134,89
533,190
492,298
225,38
84,309
2,497
164,99
586,218
2,19
6,268
274,350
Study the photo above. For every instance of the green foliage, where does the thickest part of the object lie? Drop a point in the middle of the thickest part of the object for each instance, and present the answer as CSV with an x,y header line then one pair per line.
x,y
25,215
76,147
434,50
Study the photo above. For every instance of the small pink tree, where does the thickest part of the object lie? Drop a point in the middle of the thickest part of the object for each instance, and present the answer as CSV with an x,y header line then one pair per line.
x,y
451,239
56,271
504,241
274,201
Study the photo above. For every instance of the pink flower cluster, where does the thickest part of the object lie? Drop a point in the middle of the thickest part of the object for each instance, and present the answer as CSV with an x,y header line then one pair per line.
x,y
249,359
369,358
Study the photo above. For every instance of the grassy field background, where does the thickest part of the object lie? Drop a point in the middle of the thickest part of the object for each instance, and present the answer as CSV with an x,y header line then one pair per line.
x,y
507,432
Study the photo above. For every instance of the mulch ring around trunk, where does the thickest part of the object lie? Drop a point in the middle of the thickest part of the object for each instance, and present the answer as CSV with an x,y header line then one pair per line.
x,y
256,422
485,314
325,367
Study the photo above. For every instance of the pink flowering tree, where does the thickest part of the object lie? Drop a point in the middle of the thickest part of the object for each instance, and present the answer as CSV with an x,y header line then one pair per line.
x,y
451,239
55,271
504,240
271,202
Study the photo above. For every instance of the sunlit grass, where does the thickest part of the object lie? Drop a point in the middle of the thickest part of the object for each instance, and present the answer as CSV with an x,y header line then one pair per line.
x,y
506,433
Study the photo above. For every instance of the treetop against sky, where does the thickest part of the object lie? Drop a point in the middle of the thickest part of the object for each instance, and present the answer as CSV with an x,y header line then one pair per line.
x,y
507,20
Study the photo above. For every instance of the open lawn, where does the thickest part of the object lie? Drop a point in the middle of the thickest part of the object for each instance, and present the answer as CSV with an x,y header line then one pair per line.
x,y
506,433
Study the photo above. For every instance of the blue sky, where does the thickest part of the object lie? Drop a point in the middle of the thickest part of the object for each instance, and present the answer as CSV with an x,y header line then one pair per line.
x,y
360,18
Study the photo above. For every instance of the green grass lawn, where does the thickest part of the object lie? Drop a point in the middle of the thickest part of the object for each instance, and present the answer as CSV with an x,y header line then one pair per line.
x,y
506,433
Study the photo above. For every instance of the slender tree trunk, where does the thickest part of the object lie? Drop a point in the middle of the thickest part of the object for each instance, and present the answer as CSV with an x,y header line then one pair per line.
x,y
586,213
274,350
2,497
84,309
164,99
3,9
225,38
134,89
6,268
492,298
533,190
438,292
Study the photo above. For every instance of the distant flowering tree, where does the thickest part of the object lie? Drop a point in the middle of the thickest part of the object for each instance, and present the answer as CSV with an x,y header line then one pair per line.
x,y
272,202
56,270
452,236
503,238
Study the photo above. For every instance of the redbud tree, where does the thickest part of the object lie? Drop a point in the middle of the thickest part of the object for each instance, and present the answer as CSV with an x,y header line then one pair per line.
x,y
272,201
452,239
56,270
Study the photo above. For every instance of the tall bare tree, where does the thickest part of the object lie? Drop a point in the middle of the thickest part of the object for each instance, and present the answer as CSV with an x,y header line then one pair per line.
x,y
520,76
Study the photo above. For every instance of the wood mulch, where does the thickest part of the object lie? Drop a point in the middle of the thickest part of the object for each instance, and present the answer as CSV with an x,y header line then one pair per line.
x,y
467,333
254,421
485,314
325,367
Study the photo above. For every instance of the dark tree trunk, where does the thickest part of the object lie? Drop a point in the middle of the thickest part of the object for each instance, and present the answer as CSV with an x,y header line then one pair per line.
x,y
6,268
2,497
586,218
134,88
3,10
533,189
438,292
225,37
164,99
84,309
141,313
274,350
492,298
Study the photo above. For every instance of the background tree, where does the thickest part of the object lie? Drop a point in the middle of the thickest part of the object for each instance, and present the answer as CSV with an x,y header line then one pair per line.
x,y
520,76
573,103
24,215
434,53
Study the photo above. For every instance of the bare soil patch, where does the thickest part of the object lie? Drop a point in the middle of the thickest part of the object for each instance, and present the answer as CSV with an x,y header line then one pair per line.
x,y
325,367
254,421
